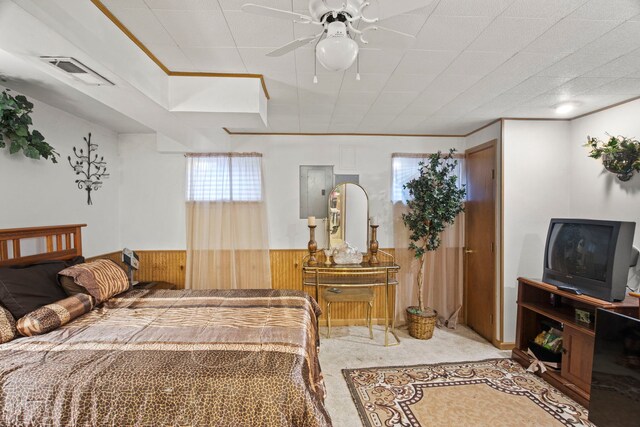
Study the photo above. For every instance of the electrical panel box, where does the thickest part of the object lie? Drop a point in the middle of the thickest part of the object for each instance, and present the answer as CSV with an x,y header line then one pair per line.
x,y
316,182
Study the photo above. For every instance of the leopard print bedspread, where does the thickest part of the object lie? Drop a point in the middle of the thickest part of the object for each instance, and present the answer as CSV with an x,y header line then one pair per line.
x,y
172,358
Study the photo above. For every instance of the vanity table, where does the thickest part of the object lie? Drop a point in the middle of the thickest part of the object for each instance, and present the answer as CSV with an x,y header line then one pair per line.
x,y
348,227
351,276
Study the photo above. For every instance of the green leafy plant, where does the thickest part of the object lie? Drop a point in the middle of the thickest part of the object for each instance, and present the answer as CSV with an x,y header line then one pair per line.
x,y
435,201
15,120
620,155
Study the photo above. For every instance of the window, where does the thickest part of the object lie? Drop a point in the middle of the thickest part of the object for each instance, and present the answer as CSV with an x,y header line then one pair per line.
x,y
405,167
229,177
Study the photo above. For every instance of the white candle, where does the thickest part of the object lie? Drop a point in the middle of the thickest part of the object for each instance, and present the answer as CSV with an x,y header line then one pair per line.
x,y
311,221
374,220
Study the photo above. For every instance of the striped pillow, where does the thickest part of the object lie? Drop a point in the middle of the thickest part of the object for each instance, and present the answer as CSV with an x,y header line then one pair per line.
x,y
101,279
52,316
7,326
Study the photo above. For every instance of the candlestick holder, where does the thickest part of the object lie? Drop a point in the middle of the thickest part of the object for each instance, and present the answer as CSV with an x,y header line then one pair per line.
x,y
312,246
373,246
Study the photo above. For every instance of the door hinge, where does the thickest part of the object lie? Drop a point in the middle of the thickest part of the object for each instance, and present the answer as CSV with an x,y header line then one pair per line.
x,y
492,247
491,318
493,174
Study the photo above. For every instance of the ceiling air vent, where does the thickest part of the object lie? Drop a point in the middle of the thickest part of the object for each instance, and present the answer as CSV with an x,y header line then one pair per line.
x,y
77,70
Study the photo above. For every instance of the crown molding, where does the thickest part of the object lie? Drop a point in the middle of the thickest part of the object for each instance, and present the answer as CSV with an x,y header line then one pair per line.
x,y
405,135
617,104
163,67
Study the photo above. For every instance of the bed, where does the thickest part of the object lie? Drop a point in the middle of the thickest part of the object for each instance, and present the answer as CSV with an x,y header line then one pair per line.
x,y
162,357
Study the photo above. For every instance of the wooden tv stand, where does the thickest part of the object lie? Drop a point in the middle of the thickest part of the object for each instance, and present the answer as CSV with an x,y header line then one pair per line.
x,y
534,307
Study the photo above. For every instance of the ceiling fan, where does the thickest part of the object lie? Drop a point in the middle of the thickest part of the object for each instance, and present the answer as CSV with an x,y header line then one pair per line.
x,y
336,47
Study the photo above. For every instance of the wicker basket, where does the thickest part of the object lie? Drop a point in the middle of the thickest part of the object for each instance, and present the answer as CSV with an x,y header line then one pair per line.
x,y
421,326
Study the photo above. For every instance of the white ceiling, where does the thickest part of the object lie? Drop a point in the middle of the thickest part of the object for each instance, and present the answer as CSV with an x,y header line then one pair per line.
x,y
472,60
26,77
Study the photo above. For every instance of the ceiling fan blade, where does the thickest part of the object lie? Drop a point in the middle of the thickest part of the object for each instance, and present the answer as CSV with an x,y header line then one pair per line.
x,y
293,45
276,13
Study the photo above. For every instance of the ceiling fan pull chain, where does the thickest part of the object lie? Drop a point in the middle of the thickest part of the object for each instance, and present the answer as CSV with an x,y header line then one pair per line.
x,y
315,57
315,69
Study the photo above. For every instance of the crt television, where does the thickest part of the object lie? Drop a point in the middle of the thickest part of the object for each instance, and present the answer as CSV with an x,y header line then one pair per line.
x,y
615,383
590,257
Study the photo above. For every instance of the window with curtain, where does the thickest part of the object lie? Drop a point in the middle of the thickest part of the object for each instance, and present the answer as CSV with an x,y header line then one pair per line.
x,y
227,231
405,167
443,269
225,178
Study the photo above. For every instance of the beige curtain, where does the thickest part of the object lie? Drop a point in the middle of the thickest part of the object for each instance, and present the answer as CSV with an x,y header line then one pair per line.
x,y
227,235
443,269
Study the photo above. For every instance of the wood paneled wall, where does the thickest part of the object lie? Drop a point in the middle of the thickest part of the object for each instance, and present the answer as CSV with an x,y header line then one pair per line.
x,y
286,273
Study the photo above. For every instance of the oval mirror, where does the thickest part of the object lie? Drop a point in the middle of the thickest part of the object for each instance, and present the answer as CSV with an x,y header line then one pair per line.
x,y
348,216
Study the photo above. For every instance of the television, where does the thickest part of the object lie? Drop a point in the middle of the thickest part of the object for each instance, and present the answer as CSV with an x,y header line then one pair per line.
x,y
591,257
615,376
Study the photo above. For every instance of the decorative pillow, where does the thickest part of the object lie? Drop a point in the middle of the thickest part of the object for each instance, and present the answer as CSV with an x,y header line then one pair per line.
x,y
101,279
23,289
7,326
69,285
52,316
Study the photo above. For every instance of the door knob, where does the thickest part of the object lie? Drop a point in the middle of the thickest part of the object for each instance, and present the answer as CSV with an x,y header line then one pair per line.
x,y
468,251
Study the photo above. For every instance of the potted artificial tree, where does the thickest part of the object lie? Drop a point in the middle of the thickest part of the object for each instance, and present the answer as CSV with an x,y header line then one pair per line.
x,y
435,200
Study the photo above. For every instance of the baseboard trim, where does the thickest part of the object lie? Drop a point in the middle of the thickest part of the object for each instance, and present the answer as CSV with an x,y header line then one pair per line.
x,y
503,345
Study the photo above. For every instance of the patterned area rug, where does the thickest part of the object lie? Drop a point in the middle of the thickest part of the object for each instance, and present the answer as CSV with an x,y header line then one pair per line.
x,y
497,392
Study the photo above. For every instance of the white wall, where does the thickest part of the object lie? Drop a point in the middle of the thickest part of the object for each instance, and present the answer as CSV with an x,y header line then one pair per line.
x,y
283,156
39,193
153,183
485,135
151,202
536,171
548,174
596,193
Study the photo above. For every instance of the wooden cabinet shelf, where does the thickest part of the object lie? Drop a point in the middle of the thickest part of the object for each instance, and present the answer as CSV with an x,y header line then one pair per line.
x,y
540,304
562,315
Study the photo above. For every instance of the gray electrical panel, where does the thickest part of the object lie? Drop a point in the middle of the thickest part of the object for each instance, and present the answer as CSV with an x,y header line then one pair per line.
x,y
346,179
316,182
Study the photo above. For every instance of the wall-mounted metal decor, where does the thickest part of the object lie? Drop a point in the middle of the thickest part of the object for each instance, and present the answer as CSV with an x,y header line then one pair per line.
x,y
91,169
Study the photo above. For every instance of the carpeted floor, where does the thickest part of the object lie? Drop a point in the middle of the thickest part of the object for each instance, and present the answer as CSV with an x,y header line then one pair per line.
x,y
350,347
491,393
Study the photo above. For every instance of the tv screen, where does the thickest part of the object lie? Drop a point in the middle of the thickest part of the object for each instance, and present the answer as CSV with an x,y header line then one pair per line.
x,y
588,256
580,250
615,384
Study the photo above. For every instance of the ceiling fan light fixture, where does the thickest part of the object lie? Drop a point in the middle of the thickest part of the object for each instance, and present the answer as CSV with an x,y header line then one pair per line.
x,y
337,51
337,54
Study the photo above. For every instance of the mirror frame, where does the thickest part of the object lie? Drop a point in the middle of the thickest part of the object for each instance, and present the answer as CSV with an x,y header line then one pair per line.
x,y
329,217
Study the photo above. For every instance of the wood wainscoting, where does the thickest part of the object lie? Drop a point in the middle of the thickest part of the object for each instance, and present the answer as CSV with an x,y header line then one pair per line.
x,y
286,273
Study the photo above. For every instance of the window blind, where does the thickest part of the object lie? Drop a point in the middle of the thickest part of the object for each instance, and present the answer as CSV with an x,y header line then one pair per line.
x,y
404,168
224,178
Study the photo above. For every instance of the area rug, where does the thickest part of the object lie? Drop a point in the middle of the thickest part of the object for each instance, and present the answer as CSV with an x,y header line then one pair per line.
x,y
496,392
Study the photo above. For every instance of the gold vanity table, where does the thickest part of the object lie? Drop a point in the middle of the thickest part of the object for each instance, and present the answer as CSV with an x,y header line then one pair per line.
x,y
354,276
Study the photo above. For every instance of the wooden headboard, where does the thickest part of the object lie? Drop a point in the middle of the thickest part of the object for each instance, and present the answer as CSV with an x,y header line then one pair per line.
x,y
57,242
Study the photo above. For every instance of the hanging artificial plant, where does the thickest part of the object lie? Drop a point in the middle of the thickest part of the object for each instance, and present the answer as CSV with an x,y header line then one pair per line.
x,y
435,201
15,120
620,155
